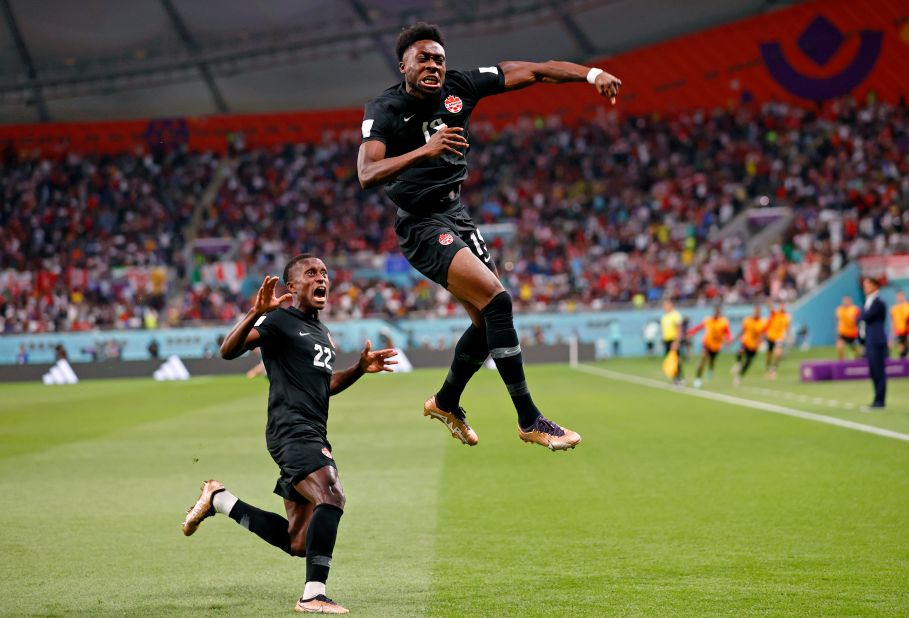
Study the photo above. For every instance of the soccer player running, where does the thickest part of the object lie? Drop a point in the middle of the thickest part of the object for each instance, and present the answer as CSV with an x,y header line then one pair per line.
x,y
776,332
716,334
899,314
298,353
847,315
752,334
415,139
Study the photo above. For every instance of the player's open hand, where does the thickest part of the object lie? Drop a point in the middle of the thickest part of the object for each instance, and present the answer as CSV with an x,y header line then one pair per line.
x,y
446,140
265,298
608,85
380,360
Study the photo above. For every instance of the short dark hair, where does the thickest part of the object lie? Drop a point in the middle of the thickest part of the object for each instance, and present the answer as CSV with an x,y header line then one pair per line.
x,y
420,31
293,262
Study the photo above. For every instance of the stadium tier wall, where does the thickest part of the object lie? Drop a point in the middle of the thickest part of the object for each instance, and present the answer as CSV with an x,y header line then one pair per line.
x,y
804,54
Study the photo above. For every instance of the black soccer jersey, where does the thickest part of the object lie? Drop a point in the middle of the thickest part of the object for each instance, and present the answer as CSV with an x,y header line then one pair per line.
x,y
404,123
299,355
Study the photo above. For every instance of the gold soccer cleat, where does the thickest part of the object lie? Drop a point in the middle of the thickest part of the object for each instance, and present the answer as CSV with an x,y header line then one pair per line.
x,y
319,604
455,421
203,507
546,433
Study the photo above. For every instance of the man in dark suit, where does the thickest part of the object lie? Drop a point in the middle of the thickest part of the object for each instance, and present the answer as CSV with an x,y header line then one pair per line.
x,y
874,323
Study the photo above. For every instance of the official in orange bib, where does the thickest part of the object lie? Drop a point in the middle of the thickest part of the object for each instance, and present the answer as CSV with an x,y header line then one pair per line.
x,y
847,315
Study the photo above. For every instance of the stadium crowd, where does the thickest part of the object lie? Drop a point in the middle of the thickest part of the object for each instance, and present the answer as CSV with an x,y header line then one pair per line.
x,y
620,211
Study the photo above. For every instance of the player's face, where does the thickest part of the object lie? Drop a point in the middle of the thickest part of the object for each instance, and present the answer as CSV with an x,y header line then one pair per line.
x,y
757,311
309,283
847,301
423,67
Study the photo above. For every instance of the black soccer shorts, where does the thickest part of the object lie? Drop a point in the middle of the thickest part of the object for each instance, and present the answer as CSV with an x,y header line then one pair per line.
x,y
297,459
430,242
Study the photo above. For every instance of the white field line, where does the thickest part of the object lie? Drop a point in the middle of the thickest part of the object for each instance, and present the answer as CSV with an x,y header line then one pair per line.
x,y
748,403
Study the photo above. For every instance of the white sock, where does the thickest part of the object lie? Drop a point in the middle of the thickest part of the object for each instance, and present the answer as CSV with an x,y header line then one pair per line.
x,y
223,502
312,589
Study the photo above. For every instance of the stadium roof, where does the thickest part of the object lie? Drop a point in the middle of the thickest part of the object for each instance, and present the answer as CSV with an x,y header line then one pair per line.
x,y
109,59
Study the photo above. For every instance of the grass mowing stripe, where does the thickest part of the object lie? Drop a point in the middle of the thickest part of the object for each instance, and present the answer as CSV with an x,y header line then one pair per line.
x,y
748,403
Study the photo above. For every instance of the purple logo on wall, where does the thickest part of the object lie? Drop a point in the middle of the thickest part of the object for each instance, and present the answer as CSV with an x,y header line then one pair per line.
x,y
819,42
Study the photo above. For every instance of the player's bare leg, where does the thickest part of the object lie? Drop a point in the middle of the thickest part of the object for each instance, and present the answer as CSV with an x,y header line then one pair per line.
x,y
470,354
319,530
841,349
471,282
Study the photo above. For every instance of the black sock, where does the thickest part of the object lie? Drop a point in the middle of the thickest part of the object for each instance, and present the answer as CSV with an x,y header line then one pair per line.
x,y
470,353
320,541
269,527
505,349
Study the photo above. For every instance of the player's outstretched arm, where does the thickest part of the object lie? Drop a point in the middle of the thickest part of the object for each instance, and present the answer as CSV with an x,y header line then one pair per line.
x,y
522,74
373,169
242,337
370,362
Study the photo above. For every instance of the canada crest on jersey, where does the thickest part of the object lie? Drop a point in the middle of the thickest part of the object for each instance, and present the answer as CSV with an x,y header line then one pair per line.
x,y
453,104
446,239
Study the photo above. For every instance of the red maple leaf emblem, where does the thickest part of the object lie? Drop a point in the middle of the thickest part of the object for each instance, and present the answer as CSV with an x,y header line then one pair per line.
x,y
453,104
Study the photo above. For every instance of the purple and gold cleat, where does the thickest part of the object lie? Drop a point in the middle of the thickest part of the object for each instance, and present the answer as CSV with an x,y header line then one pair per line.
x,y
546,433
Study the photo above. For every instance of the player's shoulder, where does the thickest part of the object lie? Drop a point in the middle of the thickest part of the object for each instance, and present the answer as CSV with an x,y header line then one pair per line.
x,y
467,77
277,316
390,99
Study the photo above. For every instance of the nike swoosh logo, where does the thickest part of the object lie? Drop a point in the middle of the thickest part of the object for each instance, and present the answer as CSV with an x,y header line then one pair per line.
x,y
407,118
302,334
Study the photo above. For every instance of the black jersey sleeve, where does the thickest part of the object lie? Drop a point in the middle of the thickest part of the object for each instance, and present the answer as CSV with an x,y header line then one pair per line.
x,y
485,81
267,325
376,122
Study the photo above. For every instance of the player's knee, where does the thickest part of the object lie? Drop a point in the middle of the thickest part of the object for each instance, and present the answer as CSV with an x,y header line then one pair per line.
x,y
334,498
337,497
498,309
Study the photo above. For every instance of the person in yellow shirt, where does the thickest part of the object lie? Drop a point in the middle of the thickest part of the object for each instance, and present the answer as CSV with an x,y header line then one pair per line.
x,y
751,336
847,315
671,327
716,334
899,313
776,331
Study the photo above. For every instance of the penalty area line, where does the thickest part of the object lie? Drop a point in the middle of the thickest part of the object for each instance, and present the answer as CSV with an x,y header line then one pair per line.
x,y
747,403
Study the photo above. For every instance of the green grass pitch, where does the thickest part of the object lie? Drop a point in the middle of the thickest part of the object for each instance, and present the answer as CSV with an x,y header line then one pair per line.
x,y
673,504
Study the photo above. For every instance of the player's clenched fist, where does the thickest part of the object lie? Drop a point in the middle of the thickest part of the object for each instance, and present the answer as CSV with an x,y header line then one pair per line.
x,y
265,298
446,139
608,85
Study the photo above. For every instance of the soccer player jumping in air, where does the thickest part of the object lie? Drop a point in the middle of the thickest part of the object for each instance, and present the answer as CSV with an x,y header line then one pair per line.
x,y
298,353
415,140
